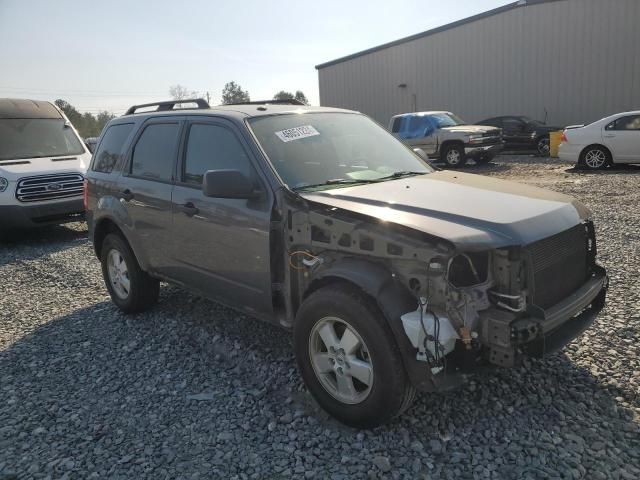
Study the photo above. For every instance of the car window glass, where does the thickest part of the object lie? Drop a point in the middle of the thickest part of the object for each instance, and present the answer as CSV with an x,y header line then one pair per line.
x,y
626,123
110,150
154,153
511,124
212,147
396,125
417,126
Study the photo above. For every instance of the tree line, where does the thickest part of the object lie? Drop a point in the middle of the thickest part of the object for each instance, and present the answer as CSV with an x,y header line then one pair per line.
x,y
87,124
232,93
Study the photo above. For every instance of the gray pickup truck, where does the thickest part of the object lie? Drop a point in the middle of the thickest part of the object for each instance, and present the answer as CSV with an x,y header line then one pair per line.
x,y
393,277
445,137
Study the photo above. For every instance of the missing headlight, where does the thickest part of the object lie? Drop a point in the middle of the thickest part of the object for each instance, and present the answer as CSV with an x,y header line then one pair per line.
x,y
468,269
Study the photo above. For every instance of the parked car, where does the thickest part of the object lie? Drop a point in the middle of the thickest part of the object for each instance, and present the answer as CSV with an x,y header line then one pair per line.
x,y
611,140
444,136
91,143
42,163
394,277
520,132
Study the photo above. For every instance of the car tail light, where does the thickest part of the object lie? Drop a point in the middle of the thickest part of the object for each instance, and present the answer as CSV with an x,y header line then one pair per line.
x,y
563,138
85,194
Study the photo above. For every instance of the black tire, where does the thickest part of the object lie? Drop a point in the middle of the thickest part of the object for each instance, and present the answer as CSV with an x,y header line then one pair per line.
x,y
144,289
390,392
595,157
543,146
453,156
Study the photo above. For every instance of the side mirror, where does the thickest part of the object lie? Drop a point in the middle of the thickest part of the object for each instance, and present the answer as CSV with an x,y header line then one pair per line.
x,y
228,184
421,153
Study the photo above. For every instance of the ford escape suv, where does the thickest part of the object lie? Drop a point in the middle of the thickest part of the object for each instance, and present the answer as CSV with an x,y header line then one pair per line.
x,y
42,165
394,277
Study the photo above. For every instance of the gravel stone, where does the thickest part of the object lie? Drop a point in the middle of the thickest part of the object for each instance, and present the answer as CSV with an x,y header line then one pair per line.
x,y
192,389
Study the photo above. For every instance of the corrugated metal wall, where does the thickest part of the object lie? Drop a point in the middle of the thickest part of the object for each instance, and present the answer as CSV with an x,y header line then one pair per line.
x,y
579,59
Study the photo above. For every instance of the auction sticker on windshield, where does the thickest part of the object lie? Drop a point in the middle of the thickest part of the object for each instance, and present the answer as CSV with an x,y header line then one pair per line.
x,y
297,133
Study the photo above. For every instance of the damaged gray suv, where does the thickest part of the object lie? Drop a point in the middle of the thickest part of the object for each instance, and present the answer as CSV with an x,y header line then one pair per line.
x,y
393,277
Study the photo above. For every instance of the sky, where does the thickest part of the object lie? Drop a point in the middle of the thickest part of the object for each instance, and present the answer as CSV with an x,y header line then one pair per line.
x,y
108,55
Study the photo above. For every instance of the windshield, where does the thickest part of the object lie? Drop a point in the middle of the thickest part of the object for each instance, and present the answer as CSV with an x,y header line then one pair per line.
x,y
37,137
330,150
446,120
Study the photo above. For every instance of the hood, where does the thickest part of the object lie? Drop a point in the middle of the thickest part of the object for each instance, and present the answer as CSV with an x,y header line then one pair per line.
x,y
471,211
470,129
14,169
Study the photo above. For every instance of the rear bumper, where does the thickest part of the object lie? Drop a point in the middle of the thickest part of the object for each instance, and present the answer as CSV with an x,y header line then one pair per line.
x,y
483,150
569,152
29,216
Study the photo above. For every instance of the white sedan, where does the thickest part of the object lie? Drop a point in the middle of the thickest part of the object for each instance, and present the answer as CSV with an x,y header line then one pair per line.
x,y
614,139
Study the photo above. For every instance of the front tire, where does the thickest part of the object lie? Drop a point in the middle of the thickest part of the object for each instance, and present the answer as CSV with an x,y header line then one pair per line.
x,y
595,157
453,156
131,288
349,359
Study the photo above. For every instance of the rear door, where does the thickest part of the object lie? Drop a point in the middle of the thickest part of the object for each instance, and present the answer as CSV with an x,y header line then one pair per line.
x,y
220,246
146,185
623,139
515,132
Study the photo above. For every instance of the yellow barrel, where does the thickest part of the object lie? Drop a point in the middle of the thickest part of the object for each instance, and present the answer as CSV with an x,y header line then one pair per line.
x,y
554,143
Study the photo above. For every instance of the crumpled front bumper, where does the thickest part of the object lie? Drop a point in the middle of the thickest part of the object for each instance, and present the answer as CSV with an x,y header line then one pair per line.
x,y
544,331
483,150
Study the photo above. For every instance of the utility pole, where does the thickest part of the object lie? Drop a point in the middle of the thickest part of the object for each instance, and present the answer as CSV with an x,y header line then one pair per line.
x,y
208,99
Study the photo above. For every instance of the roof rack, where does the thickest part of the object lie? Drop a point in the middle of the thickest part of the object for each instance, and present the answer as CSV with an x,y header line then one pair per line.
x,y
168,105
291,101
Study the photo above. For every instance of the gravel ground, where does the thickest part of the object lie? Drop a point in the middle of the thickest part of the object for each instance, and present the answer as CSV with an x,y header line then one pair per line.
x,y
193,390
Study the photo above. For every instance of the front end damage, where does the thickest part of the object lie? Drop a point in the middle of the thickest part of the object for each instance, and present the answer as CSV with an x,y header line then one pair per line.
x,y
450,311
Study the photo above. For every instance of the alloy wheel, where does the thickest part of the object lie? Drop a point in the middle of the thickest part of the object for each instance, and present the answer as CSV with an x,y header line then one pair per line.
x,y
118,274
340,360
595,158
543,147
453,157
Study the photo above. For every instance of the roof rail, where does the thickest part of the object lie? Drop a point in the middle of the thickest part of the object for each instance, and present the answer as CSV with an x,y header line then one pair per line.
x,y
291,101
168,105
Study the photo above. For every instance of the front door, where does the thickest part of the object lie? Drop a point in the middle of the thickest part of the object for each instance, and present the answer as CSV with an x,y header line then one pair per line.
x,y
623,139
220,246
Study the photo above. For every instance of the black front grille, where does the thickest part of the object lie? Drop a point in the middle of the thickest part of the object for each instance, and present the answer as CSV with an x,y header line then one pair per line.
x,y
559,265
49,187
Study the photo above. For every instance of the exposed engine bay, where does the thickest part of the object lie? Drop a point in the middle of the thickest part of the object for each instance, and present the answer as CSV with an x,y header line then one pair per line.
x,y
467,308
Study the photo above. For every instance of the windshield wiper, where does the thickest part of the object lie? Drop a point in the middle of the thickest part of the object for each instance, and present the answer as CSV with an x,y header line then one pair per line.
x,y
334,181
400,174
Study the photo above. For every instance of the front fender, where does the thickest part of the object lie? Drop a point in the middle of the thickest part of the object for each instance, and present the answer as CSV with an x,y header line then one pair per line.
x,y
393,300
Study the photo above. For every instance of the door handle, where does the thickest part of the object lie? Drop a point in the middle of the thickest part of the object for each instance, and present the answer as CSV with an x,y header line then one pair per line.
x,y
189,209
610,135
127,195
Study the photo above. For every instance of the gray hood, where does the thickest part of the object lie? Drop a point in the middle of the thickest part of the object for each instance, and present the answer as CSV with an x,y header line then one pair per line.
x,y
471,211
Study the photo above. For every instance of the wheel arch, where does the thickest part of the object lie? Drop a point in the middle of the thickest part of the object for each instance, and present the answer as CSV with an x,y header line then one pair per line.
x,y
600,145
377,283
104,227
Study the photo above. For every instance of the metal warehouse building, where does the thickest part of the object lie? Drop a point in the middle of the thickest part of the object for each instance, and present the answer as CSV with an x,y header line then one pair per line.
x,y
577,60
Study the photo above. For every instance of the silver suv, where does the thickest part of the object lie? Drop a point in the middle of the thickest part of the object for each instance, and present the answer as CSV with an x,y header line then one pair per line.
x,y
393,277
444,136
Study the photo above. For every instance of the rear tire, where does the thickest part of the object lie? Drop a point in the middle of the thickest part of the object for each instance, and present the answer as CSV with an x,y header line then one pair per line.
x,y
339,334
453,156
131,289
595,157
543,146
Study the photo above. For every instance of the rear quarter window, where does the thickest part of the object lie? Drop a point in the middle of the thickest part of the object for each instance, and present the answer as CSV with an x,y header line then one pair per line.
x,y
111,148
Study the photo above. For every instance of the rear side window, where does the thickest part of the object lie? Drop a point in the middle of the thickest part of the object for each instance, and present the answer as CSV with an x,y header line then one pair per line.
x,y
625,123
110,151
396,125
212,147
154,153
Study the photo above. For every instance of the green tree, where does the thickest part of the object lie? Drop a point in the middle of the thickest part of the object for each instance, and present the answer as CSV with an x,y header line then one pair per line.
x,y
301,97
233,93
87,124
282,95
